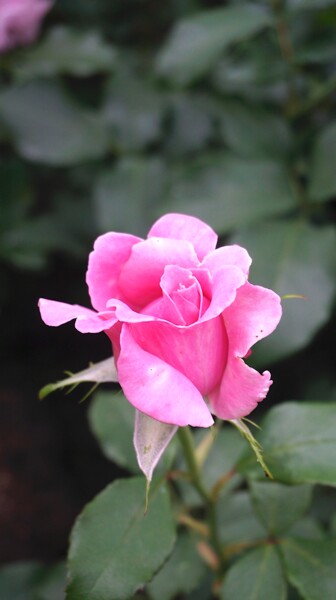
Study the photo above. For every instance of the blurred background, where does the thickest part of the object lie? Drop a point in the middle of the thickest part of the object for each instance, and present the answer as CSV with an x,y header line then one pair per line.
x,y
117,113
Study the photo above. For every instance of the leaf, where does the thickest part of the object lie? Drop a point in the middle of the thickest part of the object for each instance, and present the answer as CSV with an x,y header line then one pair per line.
x,y
228,192
191,118
17,580
111,419
151,438
16,194
310,4
322,175
307,528
292,257
299,443
101,372
66,50
47,128
254,72
270,498
52,584
133,110
238,524
32,581
310,567
197,42
256,576
125,196
114,548
250,131
182,572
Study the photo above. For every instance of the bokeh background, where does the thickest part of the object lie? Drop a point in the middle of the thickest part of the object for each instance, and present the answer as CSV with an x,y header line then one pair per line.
x,y
119,112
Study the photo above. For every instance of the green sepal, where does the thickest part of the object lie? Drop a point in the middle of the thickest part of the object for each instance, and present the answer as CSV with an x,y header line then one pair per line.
x,y
256,447
101,372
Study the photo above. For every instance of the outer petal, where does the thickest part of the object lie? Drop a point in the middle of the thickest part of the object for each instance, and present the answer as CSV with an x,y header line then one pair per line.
x,y
157,389
199,352
253,315
183,227
109,255
87,321
140,277
228,255
240,390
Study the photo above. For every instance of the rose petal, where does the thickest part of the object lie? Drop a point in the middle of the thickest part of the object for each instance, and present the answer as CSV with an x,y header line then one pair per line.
x,y
225,283
183,227
157,389
240,390
106,260
183,288
228,255
140,277
198,352
254,314
55,313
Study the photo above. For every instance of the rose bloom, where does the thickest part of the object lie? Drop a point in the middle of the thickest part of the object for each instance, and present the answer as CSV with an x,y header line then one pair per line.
x,y
181,316
20,21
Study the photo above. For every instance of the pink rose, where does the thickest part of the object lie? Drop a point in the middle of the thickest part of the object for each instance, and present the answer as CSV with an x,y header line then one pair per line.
x,y
20,21
181,316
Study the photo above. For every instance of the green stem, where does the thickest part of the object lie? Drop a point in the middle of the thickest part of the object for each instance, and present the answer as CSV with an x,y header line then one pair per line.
x,y
188,447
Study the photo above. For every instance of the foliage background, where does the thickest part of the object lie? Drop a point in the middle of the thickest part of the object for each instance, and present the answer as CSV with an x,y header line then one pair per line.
x,y
118,113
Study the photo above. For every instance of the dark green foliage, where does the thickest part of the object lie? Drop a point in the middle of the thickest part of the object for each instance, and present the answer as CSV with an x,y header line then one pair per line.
x,y
122,111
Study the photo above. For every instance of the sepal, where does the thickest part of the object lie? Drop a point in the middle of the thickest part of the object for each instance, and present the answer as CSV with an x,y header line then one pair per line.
x,y
151,438
101,372
240,424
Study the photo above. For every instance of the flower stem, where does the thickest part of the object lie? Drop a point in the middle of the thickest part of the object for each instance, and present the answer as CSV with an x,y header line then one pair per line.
x,y
187,443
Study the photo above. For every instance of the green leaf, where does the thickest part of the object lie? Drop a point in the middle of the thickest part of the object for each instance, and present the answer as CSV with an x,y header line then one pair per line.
x,y
310,567
227,191
250,131
126,195
333,525
270,498
111,418
237,521
255,72
191,118
181,573
197,42
48,128
310,4
16,194
307,528
65,50
256,576
32,581
52,584
292,257
115,549
299,443
17,580
133,111
322,174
